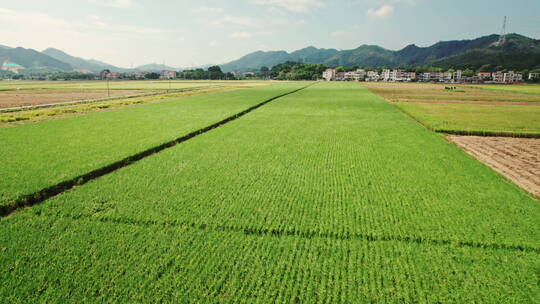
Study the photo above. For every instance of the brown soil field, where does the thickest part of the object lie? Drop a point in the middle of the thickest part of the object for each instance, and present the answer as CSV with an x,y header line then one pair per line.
x,y
11,99
429,92
517,159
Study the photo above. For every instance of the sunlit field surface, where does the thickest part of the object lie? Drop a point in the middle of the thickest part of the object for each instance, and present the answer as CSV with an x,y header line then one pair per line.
x,y
328,194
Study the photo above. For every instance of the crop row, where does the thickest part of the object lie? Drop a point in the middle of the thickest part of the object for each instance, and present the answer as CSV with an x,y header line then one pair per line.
x,y
40,155
326,195
331,160
62,260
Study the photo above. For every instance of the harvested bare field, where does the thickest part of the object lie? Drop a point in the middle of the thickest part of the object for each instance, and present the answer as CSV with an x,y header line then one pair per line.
x,y
21,98
518,159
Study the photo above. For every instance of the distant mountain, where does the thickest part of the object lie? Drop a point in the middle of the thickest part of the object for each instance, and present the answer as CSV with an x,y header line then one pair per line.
x,y
4,47
154,67
33,60
517,52
80,63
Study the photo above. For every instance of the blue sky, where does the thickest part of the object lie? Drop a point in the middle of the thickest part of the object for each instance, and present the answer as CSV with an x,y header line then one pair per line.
x,y
185,33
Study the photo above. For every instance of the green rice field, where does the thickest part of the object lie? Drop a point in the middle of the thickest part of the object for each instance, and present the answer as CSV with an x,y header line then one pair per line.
x,y
328,194
477,119
517,88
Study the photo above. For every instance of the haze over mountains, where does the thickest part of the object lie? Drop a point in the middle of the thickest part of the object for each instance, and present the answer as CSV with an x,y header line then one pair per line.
x,y
55,60
517,52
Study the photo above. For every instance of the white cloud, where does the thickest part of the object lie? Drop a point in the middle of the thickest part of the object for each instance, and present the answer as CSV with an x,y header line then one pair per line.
x,y
234,20
297,6
206,9
114,3
94,36
384,11
241,35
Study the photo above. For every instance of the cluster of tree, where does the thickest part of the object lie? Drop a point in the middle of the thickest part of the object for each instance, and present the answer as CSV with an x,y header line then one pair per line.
x,y
213,73
295,71
71,76
47,75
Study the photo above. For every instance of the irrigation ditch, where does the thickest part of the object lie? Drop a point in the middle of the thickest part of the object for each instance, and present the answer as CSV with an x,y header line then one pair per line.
x,y
59,188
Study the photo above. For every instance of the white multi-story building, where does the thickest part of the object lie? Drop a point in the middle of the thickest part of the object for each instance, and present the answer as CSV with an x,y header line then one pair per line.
x,y
372,76
433,77
447,77
358,75
386,75
457,76
534,76
512,77
329,74
334,75
497,77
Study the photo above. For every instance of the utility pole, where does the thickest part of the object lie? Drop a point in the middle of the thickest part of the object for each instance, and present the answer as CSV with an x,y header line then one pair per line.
x,y
502,38
108,89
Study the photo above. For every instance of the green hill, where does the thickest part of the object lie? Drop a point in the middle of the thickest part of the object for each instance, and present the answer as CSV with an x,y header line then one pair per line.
x,y
80,63
33,60
517,52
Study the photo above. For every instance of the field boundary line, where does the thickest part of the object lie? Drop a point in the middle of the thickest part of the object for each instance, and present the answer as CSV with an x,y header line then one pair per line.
x,y
280,232
51,191
487,133
85,101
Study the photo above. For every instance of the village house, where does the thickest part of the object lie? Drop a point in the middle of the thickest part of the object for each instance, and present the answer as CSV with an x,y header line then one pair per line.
x,y
433,77
497,77
457,75
113,75
484,76
372,76
333,75
386,75
512,77
358,75
329,74
167,74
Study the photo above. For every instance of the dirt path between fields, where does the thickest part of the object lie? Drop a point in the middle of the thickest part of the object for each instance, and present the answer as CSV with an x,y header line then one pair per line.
x,y
517,159
491,103
22,98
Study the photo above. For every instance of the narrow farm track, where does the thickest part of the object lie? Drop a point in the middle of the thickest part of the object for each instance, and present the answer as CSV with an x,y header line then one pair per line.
x,y
328,195
51,191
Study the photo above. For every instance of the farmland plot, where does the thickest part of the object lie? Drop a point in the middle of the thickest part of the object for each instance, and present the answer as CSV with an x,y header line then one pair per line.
x,y
468,110
326,195
40,155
